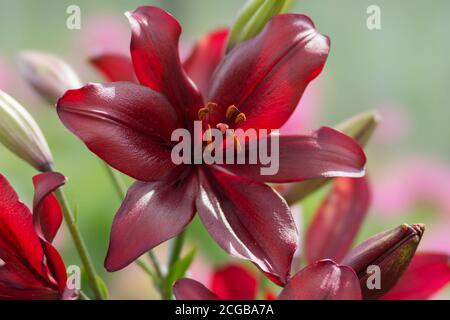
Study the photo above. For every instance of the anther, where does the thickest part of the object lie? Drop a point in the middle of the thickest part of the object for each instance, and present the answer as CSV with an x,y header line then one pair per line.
x,y
222,127
231,111
203,113
210,106
240,118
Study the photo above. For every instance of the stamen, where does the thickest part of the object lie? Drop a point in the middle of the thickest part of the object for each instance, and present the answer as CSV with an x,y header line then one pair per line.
x,y
231,111
208,134
211,106
222,127
240,118
203,113
237,144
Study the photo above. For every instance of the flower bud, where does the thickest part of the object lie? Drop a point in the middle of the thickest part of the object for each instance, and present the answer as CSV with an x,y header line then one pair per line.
x,y
21,134
384,256
253,17
361,128
48,74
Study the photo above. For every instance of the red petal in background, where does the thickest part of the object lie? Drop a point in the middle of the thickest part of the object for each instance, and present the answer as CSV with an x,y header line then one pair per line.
x,y
187,289
47,214
205,57
265,76
155,55
325,153
428,273
234,282
248,220
151,213
23,273
337,222
323,280
127,125
114,67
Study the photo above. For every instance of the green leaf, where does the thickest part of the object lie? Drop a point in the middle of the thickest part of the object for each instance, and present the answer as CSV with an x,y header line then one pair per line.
x,y
178,270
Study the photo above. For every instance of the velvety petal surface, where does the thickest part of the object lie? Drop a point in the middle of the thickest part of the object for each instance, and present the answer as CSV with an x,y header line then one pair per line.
x,y
205,57
234,282
115,67
151,213
127,125
428,273
155,55
324,153
266,76
249,220
323,280
188,289
338,220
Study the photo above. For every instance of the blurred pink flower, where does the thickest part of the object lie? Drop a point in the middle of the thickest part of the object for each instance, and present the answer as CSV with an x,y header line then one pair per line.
x,y
305,116
105,33
395,124
411,182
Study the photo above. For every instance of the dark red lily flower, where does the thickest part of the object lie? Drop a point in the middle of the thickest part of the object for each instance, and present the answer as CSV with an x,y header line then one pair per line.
x,y
30,267
130,125
322,280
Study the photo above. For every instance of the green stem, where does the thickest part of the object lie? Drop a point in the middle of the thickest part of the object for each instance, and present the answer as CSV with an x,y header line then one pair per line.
x,y
118,183
79,243
177,246
83,296
156,265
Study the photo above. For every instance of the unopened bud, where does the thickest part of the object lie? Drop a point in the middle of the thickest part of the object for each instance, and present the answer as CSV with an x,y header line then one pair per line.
x,y
49,75
21,134
391,251
253,17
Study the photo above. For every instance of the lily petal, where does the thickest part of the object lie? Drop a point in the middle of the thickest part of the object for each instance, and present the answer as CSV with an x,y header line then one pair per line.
x,y
188,289
47,214
325,153
205,57
115,67
266,76
249,220
127,125
156,60
323,280
151,213
47,219
336,223
428,273
234,282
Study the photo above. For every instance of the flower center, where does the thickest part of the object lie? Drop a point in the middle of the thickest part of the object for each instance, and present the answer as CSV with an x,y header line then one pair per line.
x,y
232,116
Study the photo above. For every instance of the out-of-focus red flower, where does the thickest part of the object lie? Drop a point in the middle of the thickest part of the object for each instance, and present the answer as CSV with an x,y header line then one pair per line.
x,y
261,81
322,280
30,267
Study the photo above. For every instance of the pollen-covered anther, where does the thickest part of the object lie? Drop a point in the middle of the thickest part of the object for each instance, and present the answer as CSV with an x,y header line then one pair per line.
x,y
203,113
240,118
231,111
222,127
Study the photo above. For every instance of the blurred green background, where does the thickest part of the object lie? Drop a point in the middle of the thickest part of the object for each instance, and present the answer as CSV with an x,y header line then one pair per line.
x,y
406,64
